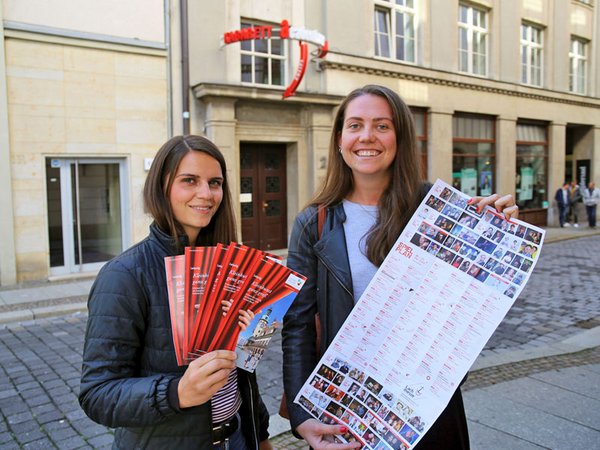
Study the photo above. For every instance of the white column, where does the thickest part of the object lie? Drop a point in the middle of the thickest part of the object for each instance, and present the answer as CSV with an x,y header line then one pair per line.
x,y
220,128
8,265
556,166
439,146
595,169
506,155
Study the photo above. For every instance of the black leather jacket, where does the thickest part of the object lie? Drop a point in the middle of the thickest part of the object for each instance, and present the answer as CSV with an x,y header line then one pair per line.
x,y
328,290
129,363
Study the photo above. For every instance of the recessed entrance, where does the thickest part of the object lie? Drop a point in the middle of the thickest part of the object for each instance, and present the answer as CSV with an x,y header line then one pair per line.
x,y
263,195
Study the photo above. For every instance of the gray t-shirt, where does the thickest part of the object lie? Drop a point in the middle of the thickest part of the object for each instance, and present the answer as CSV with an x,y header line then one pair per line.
x,y
359,220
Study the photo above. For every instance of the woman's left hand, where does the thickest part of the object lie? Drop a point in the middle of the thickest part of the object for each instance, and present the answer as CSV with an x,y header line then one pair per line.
x,y
265,445
504,204
246,316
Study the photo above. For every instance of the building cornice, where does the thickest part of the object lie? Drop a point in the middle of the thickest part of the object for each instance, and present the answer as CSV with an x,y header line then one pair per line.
x,y
488,86
263,94
51,35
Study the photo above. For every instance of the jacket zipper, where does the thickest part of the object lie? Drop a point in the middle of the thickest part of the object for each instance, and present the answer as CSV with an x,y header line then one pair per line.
x,y
336,277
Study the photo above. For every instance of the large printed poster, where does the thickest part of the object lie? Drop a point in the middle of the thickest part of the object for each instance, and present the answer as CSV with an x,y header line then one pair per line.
x,y
437,298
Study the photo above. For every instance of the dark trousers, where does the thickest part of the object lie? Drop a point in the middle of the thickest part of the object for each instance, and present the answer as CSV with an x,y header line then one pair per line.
x,y
591,213
562,214
450,430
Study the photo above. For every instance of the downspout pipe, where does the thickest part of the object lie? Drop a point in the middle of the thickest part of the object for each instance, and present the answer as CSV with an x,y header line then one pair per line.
x,y
169,47
185,67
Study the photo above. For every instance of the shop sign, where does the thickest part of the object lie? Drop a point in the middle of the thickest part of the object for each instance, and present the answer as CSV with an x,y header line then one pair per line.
x,y
285,31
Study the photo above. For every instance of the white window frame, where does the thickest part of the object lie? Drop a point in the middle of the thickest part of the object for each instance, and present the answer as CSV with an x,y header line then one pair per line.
x,y
578,66
254,54
388,37
532,53
475,27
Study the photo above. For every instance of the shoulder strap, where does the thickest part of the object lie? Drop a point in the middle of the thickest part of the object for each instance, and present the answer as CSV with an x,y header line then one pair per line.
x,y
321,217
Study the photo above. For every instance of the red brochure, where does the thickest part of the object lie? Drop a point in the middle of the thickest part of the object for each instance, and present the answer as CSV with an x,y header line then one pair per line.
x,y
175,272
209,286
198,261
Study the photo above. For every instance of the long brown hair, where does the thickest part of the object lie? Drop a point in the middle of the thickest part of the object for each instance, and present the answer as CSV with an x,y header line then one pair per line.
x,y
401,198
158,188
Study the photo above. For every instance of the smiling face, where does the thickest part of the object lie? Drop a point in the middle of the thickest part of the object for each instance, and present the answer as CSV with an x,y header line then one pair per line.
x,y
196,192
368,137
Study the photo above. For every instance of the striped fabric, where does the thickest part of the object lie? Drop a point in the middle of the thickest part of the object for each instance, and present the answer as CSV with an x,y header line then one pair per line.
x,y
227,401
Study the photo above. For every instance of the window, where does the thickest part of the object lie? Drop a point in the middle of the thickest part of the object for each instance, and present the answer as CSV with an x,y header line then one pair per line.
x,y
263,60
472,40
473,154
532,157
578,59
531,55
395,29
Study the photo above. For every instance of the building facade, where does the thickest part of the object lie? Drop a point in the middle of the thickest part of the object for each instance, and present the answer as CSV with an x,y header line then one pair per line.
x,y
505,95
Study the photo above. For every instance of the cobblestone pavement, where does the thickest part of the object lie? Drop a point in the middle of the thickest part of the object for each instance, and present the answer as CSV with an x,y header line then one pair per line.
x,y
40,361
561,298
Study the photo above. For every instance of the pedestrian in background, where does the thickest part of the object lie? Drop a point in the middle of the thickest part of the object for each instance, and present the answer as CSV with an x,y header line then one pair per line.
x,y
130,378
591,198
574,199
371,190
562,202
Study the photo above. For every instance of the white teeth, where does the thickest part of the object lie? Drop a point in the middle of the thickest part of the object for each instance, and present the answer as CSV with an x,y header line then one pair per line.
x,y
367,153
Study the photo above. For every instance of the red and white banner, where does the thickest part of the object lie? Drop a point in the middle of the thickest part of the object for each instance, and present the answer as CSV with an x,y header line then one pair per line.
x,y
284,32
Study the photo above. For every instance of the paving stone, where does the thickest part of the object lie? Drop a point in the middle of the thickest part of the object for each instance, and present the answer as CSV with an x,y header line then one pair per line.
x,y
103,440
23,427
484,437
50,416
8,393
71,443
579,380
40,444
20,417
549,398
14,405
37,400
29,436
61,434
528,423
5,437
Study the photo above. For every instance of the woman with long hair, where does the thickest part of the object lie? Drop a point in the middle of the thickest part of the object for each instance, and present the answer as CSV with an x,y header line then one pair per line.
x,y
371,189
130,378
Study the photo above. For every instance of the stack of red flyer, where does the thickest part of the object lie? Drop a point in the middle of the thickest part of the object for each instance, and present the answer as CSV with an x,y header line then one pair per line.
x,y
203,278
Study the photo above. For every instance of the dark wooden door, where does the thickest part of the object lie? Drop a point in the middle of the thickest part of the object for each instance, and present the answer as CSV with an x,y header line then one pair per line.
x,y
263,195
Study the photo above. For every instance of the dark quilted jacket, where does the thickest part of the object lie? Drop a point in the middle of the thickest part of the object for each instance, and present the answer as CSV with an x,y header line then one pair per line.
x,y
129,359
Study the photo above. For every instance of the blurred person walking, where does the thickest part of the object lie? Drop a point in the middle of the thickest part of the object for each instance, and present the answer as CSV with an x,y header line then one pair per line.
x,y
591,198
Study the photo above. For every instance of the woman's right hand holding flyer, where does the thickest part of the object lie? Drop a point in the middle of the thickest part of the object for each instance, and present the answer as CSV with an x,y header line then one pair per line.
x,y
320,436
204,377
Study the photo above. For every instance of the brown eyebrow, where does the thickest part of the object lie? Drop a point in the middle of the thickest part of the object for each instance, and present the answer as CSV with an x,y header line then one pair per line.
x,y
375,119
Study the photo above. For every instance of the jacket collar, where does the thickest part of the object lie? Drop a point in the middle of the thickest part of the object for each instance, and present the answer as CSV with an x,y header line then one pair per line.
x,y
167,241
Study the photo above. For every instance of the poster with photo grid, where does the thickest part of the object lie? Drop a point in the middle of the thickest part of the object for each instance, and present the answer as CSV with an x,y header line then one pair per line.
x,y
443,289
